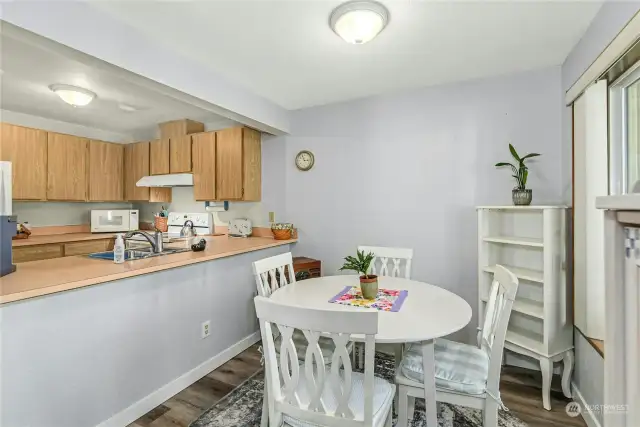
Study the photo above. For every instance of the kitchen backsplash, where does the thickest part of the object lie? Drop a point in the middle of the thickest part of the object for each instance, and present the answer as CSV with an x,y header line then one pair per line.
x,y
183,201
42,214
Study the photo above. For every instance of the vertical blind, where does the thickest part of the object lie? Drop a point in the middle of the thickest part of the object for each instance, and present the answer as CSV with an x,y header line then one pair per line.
x,y
590,165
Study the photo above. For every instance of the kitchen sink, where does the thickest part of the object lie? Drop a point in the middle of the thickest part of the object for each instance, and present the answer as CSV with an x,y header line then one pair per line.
x,y
134,254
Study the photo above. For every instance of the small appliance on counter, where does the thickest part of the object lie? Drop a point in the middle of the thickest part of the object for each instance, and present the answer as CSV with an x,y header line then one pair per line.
x,y
240,227
114,221
8,222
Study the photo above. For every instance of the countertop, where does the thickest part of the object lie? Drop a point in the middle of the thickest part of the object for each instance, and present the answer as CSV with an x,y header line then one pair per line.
x,y
37,278
60,238
623,202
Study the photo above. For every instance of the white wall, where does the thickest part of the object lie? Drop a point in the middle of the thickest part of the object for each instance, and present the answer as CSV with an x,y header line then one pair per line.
x,y
78,358
28,120
407,170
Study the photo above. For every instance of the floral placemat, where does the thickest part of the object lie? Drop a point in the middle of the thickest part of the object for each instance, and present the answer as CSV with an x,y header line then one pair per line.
x,y
386,300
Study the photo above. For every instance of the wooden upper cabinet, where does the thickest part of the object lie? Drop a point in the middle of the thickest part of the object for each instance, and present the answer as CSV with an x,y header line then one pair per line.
x,y
68,167
106,176
159,156
238,164
252,165
26,149
180,154
136,165
204,166
229,164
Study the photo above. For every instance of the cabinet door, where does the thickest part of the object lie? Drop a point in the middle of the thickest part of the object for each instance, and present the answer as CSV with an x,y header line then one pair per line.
x,y
105,171
160,194
204,166
26,149
36,253
159,157
87,247
229,164
136,165
252,165
180,154
67,176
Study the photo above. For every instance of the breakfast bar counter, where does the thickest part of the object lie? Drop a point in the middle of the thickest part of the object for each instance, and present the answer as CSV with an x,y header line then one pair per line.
x,y
37,278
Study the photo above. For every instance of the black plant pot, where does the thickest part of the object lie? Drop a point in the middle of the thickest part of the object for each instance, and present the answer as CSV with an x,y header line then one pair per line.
x,y
521,197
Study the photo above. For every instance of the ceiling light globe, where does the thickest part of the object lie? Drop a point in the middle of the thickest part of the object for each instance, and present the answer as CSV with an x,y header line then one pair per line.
x,y
359,22
76,96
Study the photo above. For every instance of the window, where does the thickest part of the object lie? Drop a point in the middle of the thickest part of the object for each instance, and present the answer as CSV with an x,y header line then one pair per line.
x,y
624,153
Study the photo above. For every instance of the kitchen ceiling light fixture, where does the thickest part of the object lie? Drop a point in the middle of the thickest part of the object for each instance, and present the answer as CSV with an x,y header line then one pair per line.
x,y
359,22
73,95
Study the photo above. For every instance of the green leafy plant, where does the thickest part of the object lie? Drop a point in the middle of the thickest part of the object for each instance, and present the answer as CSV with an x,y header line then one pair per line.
x,y
521,172
360,263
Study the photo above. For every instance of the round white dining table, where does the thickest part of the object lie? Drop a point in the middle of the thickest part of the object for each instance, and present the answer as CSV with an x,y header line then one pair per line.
x,y
428,312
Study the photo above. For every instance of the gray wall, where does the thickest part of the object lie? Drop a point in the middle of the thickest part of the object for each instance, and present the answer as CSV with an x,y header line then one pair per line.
x,y
589,370
408,170
41,214
77,358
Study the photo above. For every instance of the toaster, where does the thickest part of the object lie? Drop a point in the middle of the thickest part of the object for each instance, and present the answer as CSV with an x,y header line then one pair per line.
x,y
240,227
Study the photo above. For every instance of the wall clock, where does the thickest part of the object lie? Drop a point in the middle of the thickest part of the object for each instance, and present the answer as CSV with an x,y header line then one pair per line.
x,y
305,160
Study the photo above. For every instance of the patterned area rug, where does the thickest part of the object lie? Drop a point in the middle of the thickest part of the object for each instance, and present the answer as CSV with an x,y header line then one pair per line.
x,y
243,406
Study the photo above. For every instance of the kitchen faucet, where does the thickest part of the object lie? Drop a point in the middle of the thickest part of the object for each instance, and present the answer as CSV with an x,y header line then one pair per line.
x,y
154,240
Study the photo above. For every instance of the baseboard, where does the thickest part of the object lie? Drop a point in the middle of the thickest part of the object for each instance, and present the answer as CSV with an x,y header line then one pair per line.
x,y
149,402
587,413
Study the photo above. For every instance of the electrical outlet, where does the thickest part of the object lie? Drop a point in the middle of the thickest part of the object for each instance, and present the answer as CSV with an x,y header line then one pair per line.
x,y
205,330
272,217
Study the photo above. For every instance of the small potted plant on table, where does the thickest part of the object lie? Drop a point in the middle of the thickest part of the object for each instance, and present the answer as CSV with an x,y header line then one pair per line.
x,y
520,195
360,264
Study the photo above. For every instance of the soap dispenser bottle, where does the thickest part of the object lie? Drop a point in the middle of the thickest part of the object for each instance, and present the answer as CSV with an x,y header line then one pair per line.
x,y
118,250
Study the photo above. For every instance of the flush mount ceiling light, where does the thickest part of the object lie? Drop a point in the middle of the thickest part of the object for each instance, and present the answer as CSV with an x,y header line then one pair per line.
x,y
359,22
73,95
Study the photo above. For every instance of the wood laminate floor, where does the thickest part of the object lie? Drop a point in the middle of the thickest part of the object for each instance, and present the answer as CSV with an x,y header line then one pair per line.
x,y
520,390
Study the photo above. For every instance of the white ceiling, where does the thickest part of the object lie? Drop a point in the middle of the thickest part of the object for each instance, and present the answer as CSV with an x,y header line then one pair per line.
x,y
285,51
28,70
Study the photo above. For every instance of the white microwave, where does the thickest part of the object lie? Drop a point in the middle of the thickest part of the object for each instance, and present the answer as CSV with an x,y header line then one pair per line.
x,y
104,221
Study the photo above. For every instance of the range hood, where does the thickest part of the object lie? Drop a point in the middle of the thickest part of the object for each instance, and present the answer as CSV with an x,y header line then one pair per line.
x,y
170,180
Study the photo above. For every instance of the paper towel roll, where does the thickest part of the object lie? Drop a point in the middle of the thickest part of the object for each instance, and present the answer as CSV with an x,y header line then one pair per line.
x,y
5,188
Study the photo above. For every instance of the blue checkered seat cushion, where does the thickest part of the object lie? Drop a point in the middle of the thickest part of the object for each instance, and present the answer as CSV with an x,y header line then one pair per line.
x,y
459,367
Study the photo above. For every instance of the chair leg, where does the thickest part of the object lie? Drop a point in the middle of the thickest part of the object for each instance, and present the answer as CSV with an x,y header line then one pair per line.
x,y
361,356
403,406
490,413
264,421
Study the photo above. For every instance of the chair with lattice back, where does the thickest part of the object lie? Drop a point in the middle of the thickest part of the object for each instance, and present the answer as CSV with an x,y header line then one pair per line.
x,y
271,274
466,375
308,393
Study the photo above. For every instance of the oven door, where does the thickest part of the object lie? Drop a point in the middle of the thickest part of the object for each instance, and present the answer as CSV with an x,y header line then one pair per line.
x,y
103,221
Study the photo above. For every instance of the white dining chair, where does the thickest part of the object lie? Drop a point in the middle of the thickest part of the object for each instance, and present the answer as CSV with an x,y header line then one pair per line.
x,y
271,274
396,255
388,262
307,393
465,375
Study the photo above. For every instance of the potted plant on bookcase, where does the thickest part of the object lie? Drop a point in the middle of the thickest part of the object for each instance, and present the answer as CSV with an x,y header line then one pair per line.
x,y
521,195
360,264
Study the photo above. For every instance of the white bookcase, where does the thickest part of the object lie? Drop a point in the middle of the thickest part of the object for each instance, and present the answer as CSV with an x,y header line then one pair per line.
x,y
531,241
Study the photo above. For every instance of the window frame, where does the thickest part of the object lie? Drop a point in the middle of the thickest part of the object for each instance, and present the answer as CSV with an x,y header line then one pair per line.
x,y
618,125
